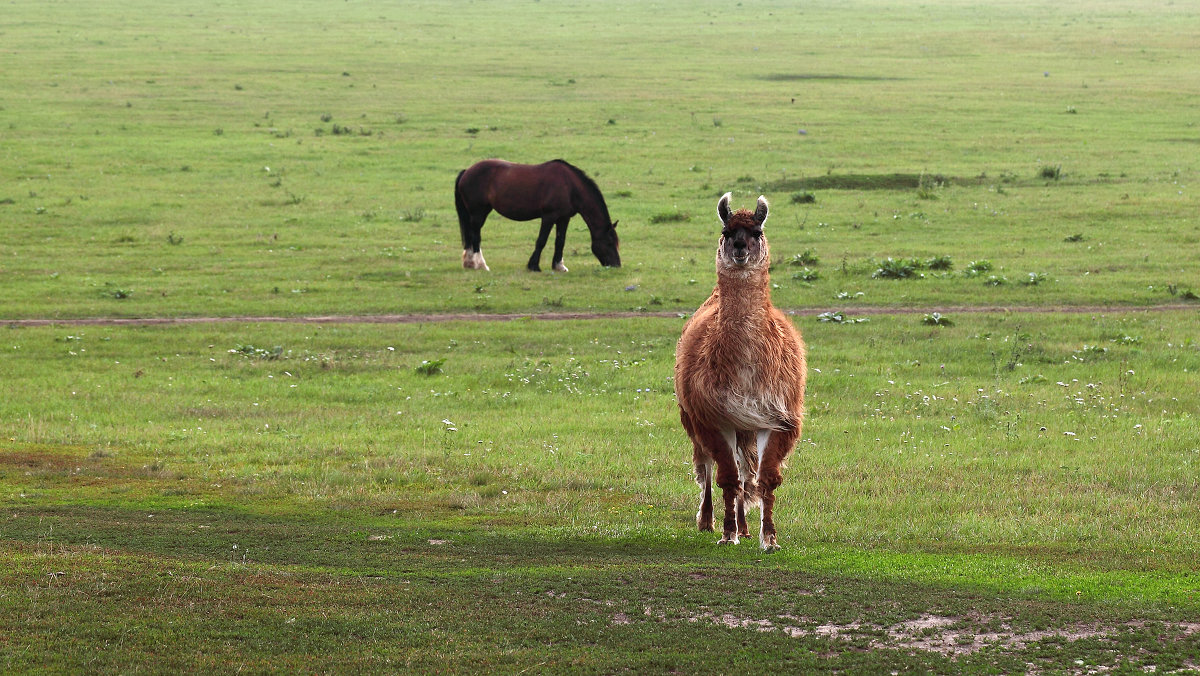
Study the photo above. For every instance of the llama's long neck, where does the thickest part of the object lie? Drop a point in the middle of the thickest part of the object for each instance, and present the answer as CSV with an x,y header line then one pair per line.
x,y
744,296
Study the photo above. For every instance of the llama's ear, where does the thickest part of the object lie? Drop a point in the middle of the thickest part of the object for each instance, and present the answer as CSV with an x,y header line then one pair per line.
x,y
760,214
723,207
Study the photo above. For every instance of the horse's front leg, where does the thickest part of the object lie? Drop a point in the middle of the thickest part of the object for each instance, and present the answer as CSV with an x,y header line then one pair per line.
x,y
535,261
560,238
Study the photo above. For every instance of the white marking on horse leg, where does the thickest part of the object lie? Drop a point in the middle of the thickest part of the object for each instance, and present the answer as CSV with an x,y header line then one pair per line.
x,y
468,259
559,267
480,264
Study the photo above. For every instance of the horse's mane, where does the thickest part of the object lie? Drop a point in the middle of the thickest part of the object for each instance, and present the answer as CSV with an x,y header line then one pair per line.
x,y
588,185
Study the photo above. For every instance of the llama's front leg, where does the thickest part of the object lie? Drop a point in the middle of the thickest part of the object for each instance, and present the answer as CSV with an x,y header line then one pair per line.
x,y
766,535
773,448
729,528
731,489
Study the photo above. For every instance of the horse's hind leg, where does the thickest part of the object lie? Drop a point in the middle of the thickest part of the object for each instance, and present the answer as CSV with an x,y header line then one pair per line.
x,y
560,238
472,255
535,261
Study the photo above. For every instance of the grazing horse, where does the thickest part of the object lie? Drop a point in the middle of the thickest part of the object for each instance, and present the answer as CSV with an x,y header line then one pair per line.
x,y
554,192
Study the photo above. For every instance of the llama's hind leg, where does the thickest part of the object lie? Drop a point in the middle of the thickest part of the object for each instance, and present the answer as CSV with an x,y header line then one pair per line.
x,y
702,461
704,516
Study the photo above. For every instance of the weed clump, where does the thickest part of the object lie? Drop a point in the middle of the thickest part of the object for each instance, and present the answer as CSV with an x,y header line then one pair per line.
x,y
272,354
936,319
806,258
940,263
838,317
429,368
898,268
976,268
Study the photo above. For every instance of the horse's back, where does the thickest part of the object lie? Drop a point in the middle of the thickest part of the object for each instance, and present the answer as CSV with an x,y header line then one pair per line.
x,y
520,192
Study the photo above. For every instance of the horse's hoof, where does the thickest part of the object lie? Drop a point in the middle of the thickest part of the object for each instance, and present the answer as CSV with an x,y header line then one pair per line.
x,y
560,268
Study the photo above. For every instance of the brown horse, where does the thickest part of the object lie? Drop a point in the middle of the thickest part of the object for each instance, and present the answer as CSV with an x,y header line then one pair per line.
x,y
554,192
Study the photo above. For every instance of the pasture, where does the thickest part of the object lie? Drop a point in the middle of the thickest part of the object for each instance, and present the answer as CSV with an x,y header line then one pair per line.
x,y
994,491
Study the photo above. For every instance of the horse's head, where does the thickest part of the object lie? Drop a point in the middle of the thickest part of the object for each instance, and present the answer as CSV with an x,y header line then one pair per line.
x,y
606,246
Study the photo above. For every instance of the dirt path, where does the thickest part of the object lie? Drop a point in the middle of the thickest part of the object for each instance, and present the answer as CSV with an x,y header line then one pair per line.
x,y
563,316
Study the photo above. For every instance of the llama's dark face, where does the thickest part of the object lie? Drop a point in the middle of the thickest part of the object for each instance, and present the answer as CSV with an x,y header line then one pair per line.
x,y
743,245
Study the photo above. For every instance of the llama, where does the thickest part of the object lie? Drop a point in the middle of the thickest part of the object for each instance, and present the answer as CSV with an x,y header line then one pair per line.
x,y
739,378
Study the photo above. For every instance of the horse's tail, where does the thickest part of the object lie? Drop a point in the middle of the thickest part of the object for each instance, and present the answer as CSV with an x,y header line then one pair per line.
x,y
464,216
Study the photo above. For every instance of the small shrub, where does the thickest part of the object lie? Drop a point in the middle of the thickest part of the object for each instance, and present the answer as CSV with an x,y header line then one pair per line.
x,y
1077,237
415,215
803,197
173,239
996,280
472,130
1051,172
1188,294
846,295
1034,279
936,319
326,118
807,275
806,258
429,368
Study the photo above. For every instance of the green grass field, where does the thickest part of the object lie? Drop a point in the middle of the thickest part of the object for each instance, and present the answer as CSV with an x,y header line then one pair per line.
x,y
1011,491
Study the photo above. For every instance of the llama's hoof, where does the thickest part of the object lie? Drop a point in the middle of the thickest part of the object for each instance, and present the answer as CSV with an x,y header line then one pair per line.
x,y
705,527
769,544
728,539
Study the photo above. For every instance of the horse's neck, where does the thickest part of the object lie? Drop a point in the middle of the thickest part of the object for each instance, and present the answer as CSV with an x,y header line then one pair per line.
x,y
591,209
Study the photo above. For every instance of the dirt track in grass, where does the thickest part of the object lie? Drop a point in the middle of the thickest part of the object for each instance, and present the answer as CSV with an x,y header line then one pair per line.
x,y
564,316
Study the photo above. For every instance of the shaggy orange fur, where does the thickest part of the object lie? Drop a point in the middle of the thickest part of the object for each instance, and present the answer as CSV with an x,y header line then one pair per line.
x,y
739,378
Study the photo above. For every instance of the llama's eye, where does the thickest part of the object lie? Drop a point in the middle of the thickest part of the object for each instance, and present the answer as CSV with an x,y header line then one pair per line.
x,y
757,234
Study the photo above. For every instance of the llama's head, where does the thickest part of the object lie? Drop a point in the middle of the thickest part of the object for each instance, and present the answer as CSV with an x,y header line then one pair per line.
x,y
743,246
